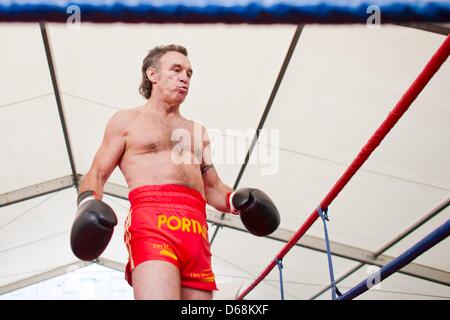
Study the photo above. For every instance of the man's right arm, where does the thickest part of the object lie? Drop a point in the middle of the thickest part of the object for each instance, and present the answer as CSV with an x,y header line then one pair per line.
x,y
107,156
94,224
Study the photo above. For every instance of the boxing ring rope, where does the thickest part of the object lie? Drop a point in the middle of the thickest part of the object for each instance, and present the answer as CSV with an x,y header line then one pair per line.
x,y
231,11
420,247
396,113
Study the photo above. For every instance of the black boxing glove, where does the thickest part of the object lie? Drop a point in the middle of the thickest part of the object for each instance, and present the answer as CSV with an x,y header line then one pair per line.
x,y
257,211
93,226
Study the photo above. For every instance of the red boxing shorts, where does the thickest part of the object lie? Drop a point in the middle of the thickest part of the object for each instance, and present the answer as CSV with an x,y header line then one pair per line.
x,y
168,222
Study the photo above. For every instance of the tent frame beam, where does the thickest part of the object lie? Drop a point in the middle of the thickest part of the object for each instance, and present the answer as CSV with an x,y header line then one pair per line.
x,y
316,243
36,190
44,276
55,185
340,250
430,27
282,235
267,108
51,66
58,272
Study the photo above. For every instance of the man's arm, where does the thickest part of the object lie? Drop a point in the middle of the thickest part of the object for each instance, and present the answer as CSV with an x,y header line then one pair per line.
x,y
94,224
257,211
215,190
107,156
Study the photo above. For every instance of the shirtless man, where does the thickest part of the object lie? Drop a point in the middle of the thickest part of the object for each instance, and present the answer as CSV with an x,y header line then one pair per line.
x,y
166,164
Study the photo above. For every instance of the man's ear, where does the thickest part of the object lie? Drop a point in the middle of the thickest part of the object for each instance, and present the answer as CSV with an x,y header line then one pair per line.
x,y
152,74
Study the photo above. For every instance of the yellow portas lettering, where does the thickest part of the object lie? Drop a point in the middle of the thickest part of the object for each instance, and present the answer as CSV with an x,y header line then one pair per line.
x,y
162,219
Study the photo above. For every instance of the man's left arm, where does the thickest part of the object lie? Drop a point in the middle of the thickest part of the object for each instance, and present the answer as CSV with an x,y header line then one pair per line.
x,y
215,190
257,211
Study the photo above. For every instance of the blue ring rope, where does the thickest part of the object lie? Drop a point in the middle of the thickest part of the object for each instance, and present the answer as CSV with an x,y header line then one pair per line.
x,y
233,11
396,264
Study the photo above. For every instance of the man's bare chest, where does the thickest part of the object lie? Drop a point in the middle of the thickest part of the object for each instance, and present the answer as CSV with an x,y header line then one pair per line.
x,y
154,135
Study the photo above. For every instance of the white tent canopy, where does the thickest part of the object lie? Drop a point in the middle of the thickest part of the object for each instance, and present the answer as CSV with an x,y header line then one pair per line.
x,y
338,86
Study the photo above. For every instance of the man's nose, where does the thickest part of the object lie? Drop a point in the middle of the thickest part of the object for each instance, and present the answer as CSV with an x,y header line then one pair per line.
x,y
184,77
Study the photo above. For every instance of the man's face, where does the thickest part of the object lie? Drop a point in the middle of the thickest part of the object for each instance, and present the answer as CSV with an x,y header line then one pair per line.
x,y
173,75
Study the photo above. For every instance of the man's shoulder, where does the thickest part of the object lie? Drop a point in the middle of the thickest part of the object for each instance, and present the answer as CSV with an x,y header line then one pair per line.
x,y
124,114
120,120
196,124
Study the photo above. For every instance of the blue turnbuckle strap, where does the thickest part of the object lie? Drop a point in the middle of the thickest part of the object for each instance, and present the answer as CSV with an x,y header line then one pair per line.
x,y
334,290
280,268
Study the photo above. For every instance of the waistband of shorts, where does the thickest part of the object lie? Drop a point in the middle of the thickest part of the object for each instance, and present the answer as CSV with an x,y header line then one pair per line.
x,y
166,195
